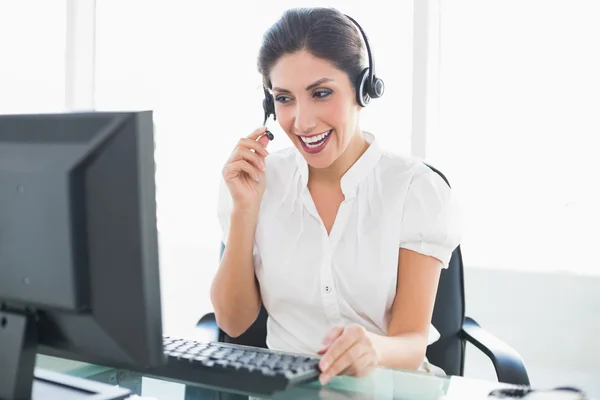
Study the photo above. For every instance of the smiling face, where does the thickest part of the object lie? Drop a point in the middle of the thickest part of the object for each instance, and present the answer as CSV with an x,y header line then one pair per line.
x,y
315,105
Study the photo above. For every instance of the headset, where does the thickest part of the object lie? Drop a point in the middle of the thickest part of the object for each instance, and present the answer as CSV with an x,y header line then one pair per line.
x,y
368,85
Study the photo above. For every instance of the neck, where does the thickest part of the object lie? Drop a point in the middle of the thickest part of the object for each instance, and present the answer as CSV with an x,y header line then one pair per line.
x,y
333,174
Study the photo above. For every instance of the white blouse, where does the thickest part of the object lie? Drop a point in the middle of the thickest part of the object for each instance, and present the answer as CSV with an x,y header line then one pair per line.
x,y
311,281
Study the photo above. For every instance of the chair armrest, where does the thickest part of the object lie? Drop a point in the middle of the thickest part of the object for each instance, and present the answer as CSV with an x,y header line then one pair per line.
x,y
207,329
508,364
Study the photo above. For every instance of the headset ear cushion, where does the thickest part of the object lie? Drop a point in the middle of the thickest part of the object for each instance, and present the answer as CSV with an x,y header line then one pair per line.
x,y
376,91
362,91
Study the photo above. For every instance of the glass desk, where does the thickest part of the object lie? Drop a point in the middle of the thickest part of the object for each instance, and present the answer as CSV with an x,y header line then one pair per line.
x,y
382,384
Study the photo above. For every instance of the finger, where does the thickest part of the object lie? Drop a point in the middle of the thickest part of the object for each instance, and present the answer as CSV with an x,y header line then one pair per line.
x,y
243,153
264,140
257,132
329,339
339,347
332,335
344,362
254,145
234,169
366,369
324,348
360,366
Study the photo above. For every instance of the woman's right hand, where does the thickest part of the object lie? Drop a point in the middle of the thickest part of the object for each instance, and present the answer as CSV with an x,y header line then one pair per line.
x,y
244,171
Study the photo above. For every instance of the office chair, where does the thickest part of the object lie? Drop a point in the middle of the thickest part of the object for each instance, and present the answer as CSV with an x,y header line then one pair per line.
x,y
449,319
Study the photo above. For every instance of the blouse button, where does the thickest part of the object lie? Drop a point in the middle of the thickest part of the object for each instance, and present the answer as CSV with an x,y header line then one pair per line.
x,y
327,289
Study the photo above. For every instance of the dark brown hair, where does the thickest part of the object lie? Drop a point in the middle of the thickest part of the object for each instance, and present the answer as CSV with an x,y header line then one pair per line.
x,y
324,32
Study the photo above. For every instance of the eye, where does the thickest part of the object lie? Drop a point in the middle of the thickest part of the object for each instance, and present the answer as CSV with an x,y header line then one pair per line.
x,y
282,99
322,94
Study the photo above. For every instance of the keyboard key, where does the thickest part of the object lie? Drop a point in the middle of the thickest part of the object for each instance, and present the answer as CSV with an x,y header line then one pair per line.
x,y
236,367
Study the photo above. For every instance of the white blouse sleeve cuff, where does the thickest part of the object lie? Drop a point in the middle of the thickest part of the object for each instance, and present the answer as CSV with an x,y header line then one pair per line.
x,y
439,251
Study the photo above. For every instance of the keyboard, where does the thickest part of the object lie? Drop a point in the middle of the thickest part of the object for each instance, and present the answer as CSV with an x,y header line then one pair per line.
x,y
236,367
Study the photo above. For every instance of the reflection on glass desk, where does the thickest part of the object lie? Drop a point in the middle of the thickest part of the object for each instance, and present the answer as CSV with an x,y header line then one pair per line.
x,y
382,384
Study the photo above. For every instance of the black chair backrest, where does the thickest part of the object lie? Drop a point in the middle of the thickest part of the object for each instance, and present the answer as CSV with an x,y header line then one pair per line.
x,y
448,352
448,316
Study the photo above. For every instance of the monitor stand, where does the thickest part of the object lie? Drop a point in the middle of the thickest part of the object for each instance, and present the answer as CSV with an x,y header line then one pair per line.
x,y
20,380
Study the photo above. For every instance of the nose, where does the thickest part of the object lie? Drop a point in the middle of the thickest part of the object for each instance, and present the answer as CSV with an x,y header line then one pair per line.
x,y
305,119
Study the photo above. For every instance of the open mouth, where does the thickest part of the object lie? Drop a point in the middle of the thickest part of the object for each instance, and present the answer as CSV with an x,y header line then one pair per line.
x,y
316,143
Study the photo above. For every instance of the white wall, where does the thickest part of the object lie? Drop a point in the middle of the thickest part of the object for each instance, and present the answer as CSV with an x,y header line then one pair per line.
x,y
549,318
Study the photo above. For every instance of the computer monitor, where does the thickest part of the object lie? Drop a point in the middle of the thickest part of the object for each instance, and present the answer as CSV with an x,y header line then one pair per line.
x,y
79,275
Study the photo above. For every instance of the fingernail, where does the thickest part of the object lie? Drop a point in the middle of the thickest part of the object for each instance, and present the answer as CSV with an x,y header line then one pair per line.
x,y
262,166
324,379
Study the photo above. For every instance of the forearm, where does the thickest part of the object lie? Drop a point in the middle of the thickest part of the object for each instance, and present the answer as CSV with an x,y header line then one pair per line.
x,y
234,292
403,351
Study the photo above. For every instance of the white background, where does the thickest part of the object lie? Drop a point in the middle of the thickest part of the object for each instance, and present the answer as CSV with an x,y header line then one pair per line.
x,y
520,137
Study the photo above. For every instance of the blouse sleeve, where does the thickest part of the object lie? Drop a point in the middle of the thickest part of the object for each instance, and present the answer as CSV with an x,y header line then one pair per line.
x,y
431,221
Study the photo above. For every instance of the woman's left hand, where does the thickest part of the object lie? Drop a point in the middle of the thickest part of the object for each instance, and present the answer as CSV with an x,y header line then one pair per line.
x,y
348,350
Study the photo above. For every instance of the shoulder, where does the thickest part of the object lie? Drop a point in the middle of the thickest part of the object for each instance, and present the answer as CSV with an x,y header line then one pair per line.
x,y
431,213
424,186
409,173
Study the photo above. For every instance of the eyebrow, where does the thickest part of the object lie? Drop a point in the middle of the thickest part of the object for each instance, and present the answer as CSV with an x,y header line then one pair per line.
x,y
309,87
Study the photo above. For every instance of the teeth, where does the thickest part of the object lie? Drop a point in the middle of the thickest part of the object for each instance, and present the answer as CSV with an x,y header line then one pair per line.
x,y
314,139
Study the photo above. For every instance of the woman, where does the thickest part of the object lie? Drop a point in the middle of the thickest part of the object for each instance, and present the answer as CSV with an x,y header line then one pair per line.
x,y
341,241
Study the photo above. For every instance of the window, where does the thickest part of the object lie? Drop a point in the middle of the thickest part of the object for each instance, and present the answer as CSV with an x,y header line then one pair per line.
x,y
32,70
519,131
195,65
